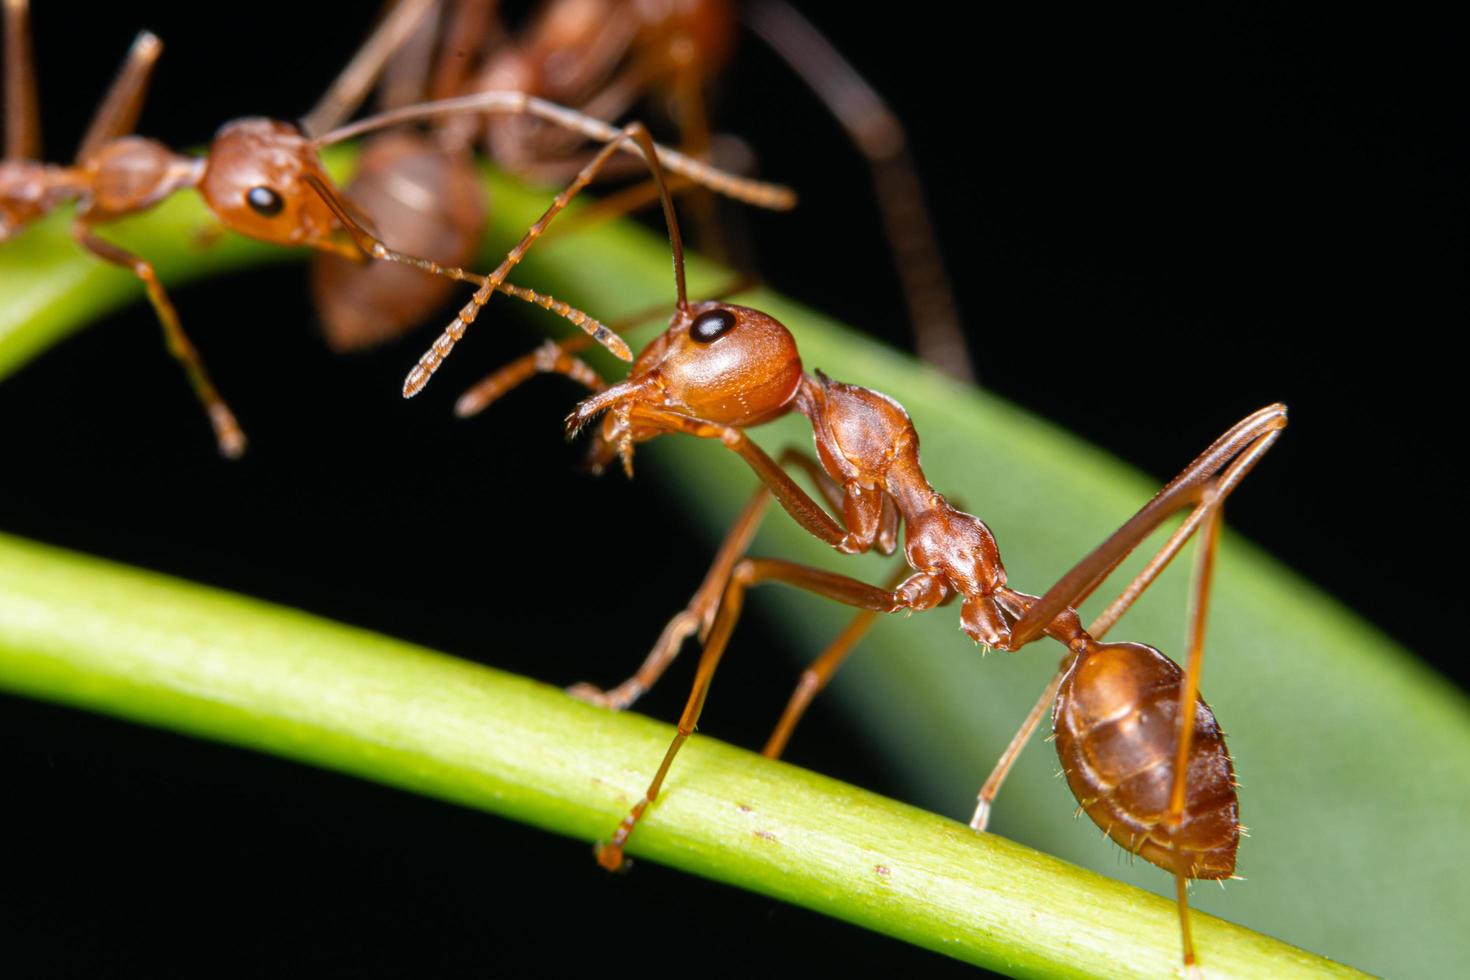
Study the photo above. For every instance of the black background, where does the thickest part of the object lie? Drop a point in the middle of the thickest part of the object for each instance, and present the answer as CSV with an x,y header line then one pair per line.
x,y
1156,222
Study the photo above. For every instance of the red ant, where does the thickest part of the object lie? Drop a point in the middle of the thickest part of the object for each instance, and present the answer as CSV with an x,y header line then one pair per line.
x,y
261,178
1140,748
603,56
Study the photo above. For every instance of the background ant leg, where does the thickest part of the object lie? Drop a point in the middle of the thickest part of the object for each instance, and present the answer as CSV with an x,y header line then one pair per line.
x,y
227,430
698,616
22,112
119,110
879,136
352,85
748,572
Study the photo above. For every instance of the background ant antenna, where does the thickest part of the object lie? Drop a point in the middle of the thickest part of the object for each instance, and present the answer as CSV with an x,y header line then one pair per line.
x,y
773,197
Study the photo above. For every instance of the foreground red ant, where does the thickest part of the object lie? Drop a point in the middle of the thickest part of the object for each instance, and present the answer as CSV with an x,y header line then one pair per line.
x,y
261,178
1140,748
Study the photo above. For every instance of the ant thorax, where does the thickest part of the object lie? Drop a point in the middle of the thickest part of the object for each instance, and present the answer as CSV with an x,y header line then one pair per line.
x,y
867,443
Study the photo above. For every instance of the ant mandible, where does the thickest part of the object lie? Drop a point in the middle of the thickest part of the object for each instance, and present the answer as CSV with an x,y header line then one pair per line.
x,y
261,178
1140,748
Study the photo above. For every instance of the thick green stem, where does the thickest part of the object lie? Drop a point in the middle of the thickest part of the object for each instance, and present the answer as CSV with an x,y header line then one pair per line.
x,y
107,638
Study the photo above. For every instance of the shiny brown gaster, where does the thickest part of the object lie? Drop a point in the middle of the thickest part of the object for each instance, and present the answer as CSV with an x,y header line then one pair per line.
x,y
1140,748
261,178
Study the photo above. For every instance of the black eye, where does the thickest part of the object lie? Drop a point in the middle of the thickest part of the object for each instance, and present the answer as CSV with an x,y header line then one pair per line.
x,y
264,201
712,325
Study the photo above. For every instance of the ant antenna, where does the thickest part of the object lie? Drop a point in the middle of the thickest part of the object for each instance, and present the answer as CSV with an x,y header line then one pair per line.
x,y
419,376
374,248
773,197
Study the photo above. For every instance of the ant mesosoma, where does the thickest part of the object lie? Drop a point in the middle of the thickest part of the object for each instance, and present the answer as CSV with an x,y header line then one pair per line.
x,y
1140,748
261,178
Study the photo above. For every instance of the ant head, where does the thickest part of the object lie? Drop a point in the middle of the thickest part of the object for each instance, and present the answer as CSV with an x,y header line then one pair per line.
x,y
255,182
730,365
727,364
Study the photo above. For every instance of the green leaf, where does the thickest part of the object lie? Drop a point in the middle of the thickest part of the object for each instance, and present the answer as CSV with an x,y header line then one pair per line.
x,y
1354,758
163,652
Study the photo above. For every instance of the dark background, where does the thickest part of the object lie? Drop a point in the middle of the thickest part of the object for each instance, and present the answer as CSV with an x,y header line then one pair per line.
x,y
1157,222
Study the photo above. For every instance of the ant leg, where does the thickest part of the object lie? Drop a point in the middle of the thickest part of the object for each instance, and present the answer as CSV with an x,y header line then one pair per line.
x,y
552,357
352,84
795,501
698,616
748,572
1212,476
1199,601
1244,444
981,818
467,23
118,112
877,133
815,677
227,430
22,114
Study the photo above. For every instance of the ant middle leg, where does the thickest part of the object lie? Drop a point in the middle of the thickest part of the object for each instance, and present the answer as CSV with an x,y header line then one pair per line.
x,y
747,572
227,431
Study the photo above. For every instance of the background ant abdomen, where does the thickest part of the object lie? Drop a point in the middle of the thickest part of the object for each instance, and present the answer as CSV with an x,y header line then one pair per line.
x,y
423,201
1116,723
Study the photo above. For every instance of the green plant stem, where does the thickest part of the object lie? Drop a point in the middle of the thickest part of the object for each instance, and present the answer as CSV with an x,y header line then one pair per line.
x,y
155,650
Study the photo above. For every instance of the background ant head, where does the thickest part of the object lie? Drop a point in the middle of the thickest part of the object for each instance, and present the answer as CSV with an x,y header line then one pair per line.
x,y
727,364
255,182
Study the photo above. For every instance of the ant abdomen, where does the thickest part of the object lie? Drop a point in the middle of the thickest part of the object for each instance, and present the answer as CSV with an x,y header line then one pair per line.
x,y
422,200
1116,720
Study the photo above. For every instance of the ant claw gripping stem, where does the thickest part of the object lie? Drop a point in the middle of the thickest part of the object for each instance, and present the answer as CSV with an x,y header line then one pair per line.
x,y
610,856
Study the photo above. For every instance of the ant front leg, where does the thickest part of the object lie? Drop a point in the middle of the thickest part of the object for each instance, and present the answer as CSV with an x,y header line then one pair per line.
x,y
698,616
227,431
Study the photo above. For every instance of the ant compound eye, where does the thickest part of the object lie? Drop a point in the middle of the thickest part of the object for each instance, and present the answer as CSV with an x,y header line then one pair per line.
x,y
264,201
712,325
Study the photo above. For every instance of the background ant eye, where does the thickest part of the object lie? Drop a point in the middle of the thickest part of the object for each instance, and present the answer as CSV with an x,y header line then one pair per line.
x,y
264,201
711,325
